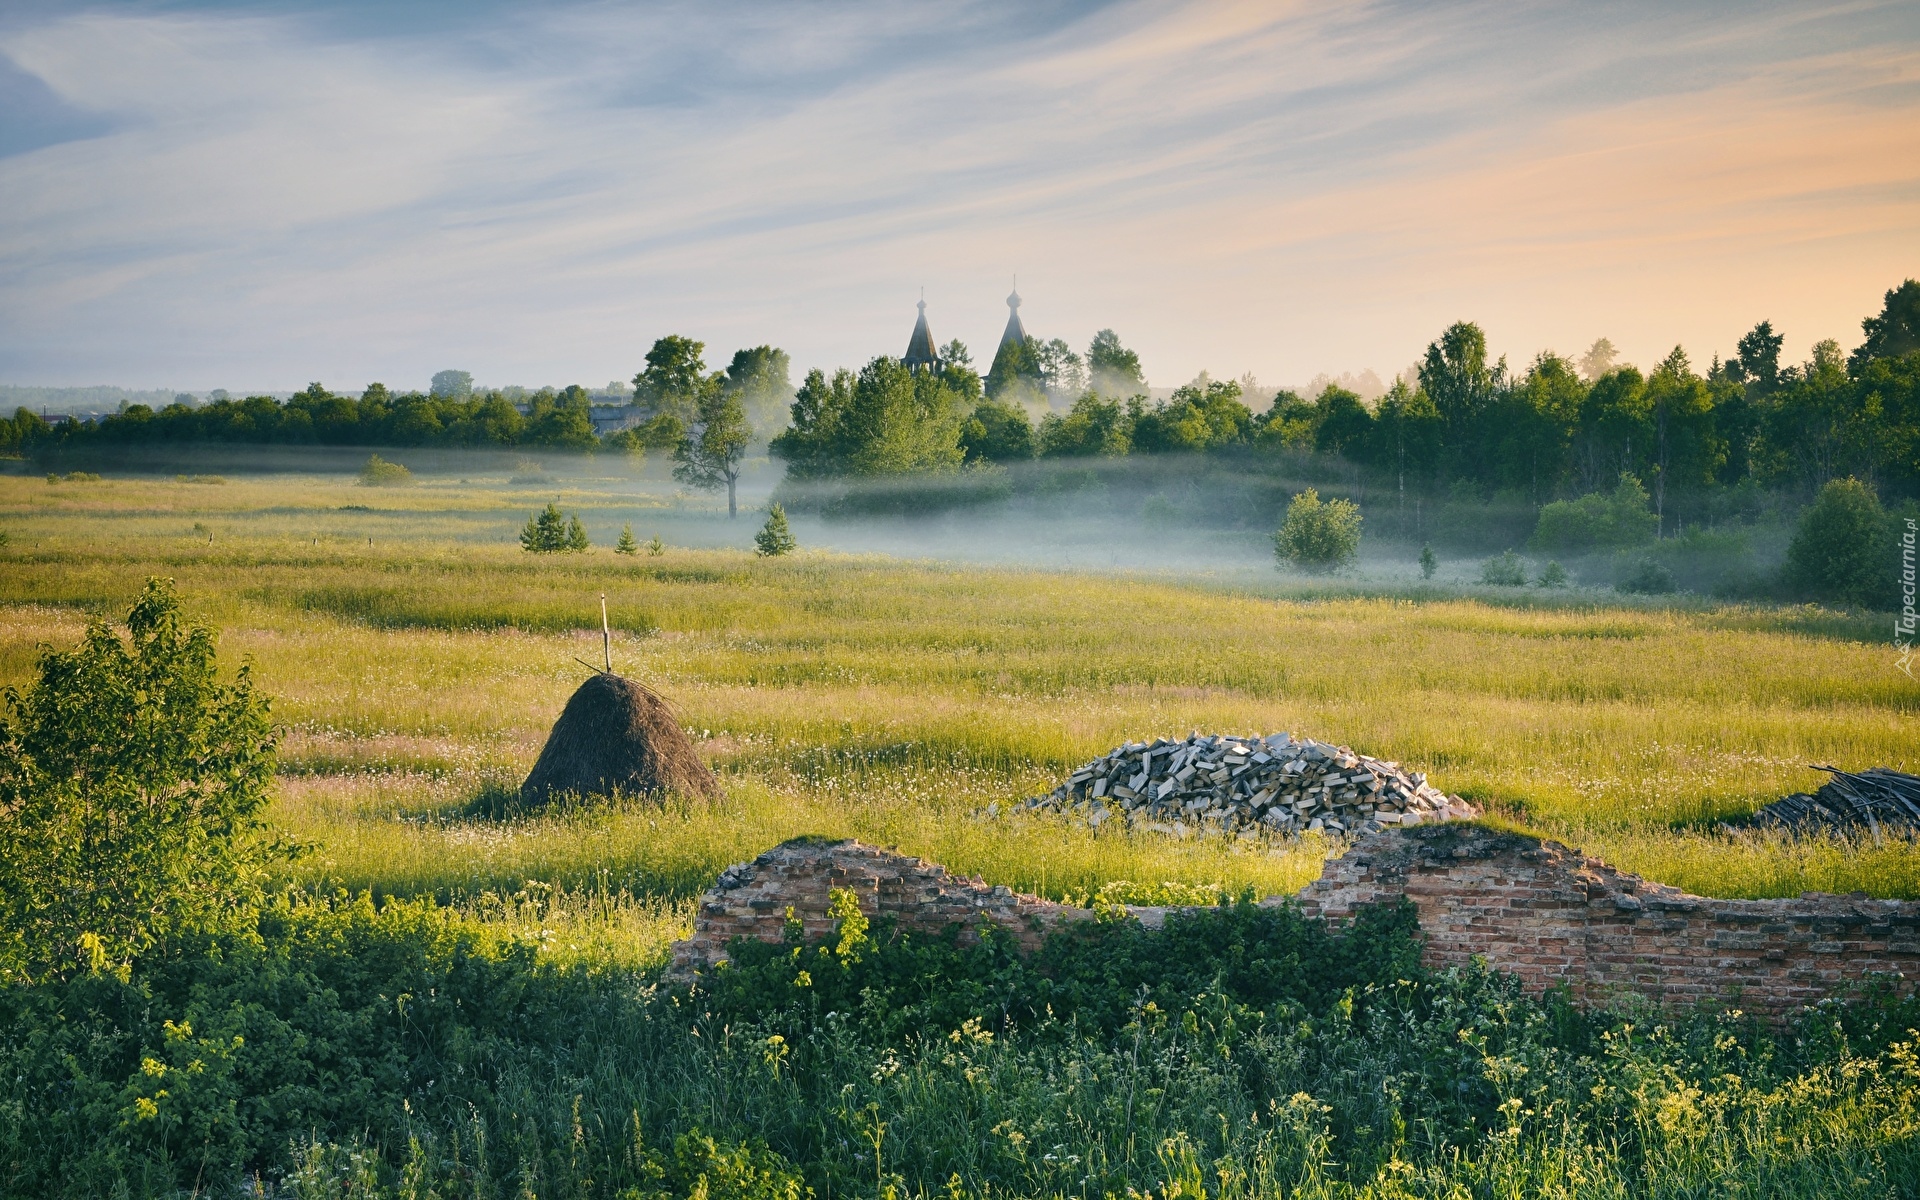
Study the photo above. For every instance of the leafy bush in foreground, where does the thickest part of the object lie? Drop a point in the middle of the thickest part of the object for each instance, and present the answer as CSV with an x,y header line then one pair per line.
x,y
339,1048
130,777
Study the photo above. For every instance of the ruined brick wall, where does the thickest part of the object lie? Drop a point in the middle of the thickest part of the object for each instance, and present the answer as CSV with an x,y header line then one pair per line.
x,y
1553,916
1532,908
751,899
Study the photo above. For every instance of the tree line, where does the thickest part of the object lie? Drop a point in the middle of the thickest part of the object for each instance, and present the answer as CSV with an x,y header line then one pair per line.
x,y
1556,430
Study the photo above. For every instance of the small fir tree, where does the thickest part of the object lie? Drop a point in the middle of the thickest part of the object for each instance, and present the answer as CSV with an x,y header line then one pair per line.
x,y
1318,535
1428,563
545,532
774,538
626,544
656,547
576,534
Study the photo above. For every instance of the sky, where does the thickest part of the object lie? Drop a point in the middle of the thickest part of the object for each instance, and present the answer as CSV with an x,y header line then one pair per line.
x,y
257,195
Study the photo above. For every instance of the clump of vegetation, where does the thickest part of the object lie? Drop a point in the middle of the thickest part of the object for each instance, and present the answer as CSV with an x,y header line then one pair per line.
x,y
625,544
1504,570
204,479
1428,563
378,472
1553,575
774,538
1318,535
1843,548
1597,520
550,531
656,547
130,778
73,477
1647,576
528,473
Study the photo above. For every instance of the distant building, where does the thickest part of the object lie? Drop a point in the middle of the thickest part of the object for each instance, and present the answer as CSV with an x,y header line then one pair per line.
x,y
1016,333
920,353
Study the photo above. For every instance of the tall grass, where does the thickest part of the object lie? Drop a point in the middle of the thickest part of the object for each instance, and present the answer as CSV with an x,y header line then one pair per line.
x,y
896,700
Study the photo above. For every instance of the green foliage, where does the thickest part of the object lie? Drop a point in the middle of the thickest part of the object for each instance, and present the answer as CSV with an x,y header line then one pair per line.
x,y
1112,369
888,421
656,547
550,531
72,477
1318,535
1094,428
1553,575
343,1048
452,385
998,432
131,779
1597,520
1647,576
673,380
709,456
760,377
1895,332
1204,415
1504,570
380,473
774,538
1843,548
1428,563
625,544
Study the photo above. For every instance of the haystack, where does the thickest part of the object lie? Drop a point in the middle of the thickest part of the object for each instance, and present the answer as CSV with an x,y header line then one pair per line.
x,y
616,736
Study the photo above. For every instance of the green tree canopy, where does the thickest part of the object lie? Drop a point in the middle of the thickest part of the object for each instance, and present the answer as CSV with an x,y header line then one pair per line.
x,y
710,455
1843,549
1095,427
1112,369
672,381
1894,332
131,779
761,378
1318,535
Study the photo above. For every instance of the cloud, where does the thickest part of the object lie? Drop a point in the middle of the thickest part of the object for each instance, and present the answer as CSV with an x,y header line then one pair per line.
x,y
257,197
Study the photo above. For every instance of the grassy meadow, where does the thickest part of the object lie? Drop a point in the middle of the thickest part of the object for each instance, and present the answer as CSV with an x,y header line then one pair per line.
x,y
417,657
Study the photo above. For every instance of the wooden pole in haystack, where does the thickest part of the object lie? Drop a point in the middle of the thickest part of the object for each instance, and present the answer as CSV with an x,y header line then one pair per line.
x,y
606,634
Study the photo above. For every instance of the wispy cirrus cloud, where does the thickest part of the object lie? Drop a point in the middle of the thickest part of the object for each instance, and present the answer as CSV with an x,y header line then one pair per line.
x,y
251,195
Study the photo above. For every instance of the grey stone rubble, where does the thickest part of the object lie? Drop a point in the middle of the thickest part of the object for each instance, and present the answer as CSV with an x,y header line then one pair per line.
x,y
1271,785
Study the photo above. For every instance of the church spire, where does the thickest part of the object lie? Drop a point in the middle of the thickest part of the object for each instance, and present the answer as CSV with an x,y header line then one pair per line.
x,y
1016,333
920,352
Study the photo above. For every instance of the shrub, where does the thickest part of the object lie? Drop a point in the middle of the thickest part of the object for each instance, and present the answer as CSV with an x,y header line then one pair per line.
x,y
656,547
380,473
130,778
626,544
1553,575
1504,570
774,538
550,531
1318,535
1596,520
1428,563
1647,576
1842,550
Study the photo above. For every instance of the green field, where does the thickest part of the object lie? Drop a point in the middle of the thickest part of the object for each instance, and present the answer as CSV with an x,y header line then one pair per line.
x,y
441,1001
417,657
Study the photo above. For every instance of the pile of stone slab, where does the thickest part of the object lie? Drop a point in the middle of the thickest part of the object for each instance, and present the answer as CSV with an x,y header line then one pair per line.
x,y
1271,785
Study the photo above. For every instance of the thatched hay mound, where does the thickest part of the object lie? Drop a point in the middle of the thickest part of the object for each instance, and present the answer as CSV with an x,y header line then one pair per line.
x,y
616,736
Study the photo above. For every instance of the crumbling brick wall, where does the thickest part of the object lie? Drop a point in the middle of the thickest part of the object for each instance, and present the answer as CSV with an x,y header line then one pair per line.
x,y
752,899
1555,917
1532,908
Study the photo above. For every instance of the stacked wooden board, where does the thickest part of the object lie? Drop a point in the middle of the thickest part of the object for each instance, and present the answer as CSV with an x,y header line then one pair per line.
x,y
1253,785
1874,801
